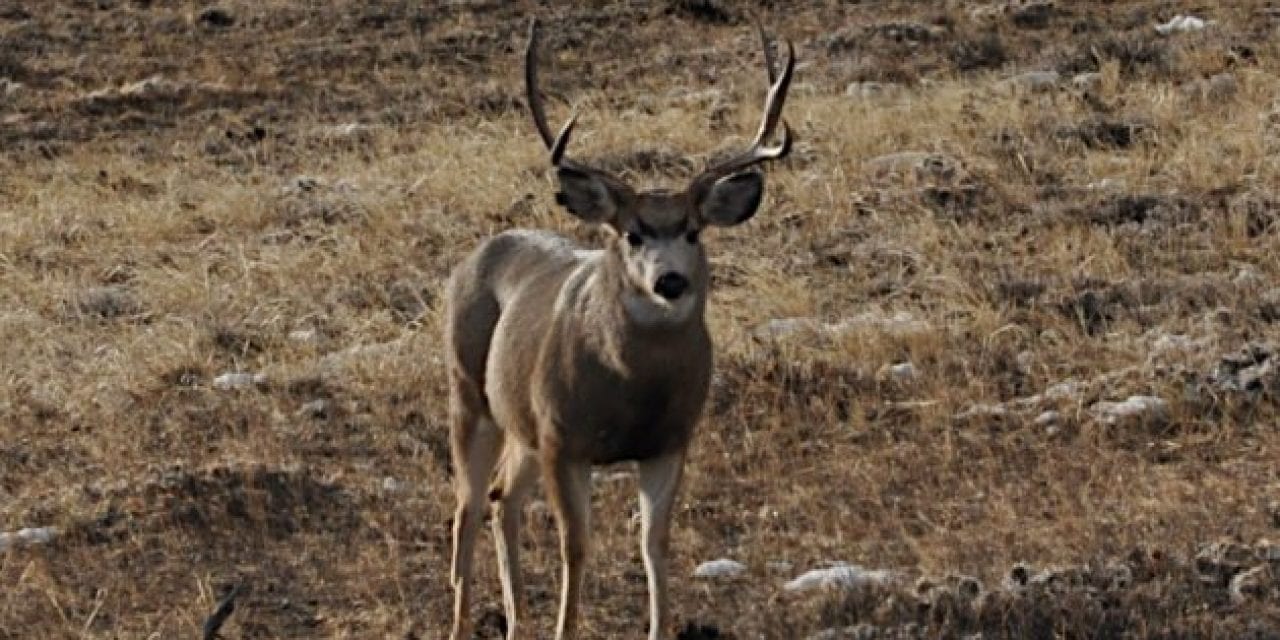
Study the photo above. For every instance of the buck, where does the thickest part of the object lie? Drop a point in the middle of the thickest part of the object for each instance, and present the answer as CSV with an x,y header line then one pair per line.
x,y
562,358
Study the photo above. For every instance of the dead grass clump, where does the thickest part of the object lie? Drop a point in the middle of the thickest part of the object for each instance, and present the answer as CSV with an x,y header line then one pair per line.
x,y
106,303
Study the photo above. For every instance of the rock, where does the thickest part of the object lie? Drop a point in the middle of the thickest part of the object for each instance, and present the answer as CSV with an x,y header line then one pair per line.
x,y
238,380
899,324
27,537
1181,24
1254,583
722,568
1065,390
847,576
983,410
901,372
391,485
1144,408
314,409
1049,420
1034,81
922,164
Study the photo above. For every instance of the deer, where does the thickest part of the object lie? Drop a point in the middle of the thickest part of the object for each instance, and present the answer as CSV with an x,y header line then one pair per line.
x,y
561,358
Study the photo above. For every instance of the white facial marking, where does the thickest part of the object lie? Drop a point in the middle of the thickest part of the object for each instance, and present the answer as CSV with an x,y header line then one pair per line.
x,y
648,262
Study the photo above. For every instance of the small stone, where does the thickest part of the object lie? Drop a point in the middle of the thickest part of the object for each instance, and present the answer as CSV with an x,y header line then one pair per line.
x,y
1254,583
847,576
391,485
238,380
27,537
1133,407
315,409
722,568
902,372
1181,24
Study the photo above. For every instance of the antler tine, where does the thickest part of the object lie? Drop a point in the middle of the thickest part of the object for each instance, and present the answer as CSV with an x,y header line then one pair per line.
x,y
770,61
759,151
777,96
531,88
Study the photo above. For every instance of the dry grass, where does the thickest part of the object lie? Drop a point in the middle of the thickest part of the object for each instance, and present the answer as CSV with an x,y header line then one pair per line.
x,y
288,195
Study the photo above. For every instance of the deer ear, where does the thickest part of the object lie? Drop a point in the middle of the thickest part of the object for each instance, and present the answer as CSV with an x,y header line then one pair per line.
x,y
589,196
732,199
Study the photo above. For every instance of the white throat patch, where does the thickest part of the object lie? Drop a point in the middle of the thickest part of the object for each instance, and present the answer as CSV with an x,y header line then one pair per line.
x,y
650,310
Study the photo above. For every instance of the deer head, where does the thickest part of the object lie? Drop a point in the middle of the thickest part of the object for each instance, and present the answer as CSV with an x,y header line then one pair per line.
x,y
655,239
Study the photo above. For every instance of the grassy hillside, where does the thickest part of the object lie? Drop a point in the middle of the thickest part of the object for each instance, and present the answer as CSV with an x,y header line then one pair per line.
x,y
1039,207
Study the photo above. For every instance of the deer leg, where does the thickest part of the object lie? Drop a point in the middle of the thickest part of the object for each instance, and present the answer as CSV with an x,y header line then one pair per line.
x,y
517,477
568,487
659,484
476,442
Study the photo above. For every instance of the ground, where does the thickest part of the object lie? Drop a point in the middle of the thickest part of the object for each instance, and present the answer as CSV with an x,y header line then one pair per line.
x,y
976,258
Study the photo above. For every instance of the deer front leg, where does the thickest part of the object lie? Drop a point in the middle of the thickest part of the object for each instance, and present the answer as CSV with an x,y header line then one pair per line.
x,y
568,487
659,484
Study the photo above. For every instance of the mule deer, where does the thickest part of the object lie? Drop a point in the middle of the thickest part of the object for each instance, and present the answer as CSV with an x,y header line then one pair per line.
x,y
561,358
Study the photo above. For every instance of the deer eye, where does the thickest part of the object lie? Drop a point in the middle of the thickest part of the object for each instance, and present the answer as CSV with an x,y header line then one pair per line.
x,y
634,239
692,236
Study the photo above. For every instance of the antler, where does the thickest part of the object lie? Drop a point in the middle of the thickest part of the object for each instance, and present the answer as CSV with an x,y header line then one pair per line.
x,y
758,152
556,145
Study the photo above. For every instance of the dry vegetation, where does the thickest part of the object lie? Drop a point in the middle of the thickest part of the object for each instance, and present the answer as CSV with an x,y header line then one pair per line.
x,y
279,188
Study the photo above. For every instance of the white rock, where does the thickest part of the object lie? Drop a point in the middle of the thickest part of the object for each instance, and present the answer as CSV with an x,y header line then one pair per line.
x,y
899,324
847,576
902,371
1065,390
314,409
983,410
391,485
238,380
1048,419
27,536
1254,582
1144,407
722,568
1181,24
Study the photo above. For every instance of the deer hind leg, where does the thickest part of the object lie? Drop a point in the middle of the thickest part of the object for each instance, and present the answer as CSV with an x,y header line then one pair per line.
x,y
659,483
475,441
517,477
569,492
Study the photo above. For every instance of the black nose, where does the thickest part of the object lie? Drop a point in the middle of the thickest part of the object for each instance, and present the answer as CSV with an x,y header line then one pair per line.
x,y
671,285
